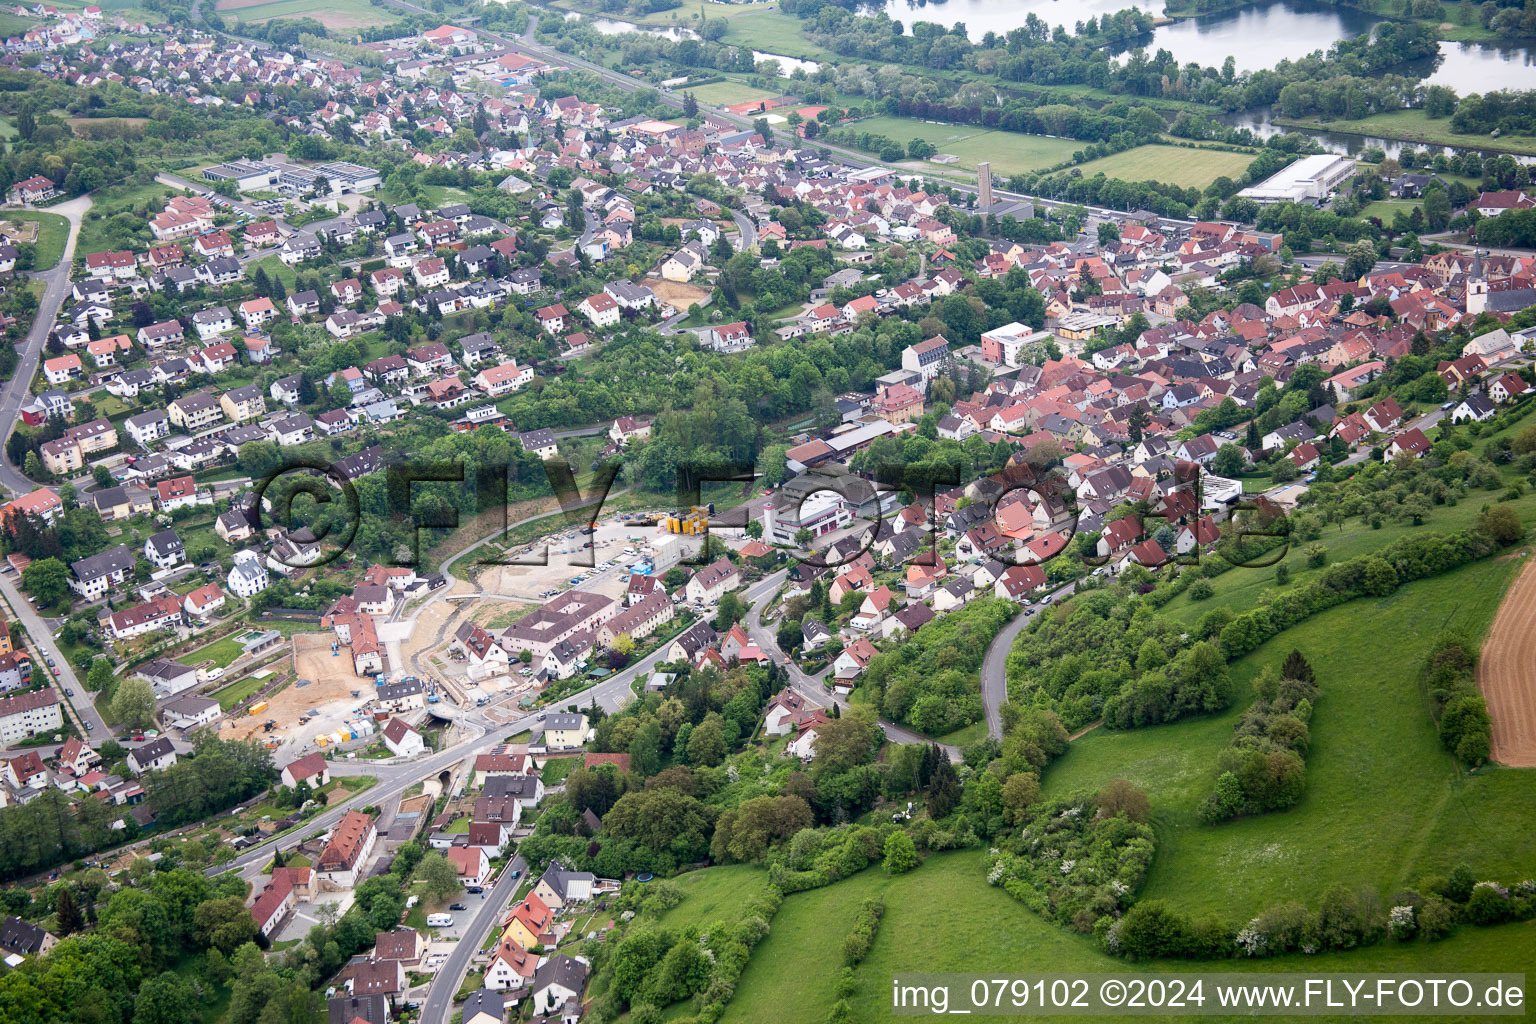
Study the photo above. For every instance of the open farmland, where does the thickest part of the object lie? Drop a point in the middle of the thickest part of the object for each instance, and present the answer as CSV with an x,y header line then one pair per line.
x,y
336,14
1505,676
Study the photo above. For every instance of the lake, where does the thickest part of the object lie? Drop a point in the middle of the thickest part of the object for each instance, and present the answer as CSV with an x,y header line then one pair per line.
x,y
610,27
1257,36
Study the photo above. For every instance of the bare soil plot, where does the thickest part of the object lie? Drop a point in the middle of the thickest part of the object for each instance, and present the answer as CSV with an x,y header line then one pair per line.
x,y
1506,674
678,294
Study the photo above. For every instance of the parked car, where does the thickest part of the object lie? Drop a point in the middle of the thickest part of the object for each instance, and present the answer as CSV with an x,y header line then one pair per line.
x,y
457,906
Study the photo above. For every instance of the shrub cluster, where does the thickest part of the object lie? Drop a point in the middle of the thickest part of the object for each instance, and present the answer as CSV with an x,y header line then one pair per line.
x,y
862,935
1108,657
1079,861
1264,767
1465,727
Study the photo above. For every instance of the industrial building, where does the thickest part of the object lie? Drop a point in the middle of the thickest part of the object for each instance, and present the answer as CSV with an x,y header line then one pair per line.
x,y
1308,180
248,175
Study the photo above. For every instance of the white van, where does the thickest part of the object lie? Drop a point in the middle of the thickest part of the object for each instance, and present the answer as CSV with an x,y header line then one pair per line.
x,y
439,920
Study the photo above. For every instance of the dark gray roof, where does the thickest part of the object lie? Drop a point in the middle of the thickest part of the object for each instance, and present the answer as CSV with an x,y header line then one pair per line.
x,y
484,1001
118,559
18,936
560,970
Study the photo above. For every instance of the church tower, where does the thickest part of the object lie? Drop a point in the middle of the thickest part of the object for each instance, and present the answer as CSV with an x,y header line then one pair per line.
x,y
1477,286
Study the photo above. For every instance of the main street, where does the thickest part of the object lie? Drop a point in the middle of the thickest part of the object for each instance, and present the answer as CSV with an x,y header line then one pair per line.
x,y
487,914
41,636
56,290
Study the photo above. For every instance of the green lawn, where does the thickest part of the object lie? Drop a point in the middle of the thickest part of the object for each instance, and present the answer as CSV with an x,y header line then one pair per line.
x,y
943,917
1172,165
220,652
1417,126
556,769
1387,209
1384,803
233,694
724,94
101,229
1009,152
52,236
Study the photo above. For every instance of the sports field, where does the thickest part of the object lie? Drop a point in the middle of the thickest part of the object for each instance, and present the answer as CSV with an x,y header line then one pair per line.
x,y
724,94
1172,165
1009,152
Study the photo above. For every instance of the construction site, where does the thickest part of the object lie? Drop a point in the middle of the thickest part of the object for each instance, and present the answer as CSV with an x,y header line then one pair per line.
x,y
323,703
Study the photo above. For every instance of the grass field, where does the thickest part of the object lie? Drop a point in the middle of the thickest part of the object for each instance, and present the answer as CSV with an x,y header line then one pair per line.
x,y
1172,165
98,230
1417,126
943,917
233,694
340,14
1387,209
52,236
771,31
1384,804
1009,152
725,94
1241,589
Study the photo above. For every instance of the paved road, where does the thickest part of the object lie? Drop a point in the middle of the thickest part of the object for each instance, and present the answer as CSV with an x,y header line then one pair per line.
x,y
747,228
994,675
487,915
760,596
41,636
56,291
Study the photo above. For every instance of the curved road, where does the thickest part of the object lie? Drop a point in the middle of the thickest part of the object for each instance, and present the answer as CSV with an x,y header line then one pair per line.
x,y
56,290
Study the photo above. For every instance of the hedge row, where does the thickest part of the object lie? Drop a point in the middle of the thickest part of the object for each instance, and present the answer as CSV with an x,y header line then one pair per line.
x,y
1375,575
1466,729
862,935
1345,919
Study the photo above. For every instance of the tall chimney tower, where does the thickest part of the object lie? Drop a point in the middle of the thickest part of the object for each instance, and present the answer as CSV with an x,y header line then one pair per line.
x,y
984,180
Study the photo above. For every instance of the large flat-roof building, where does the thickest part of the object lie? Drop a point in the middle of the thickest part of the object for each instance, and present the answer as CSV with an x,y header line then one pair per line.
x,y
1308,180
248,175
